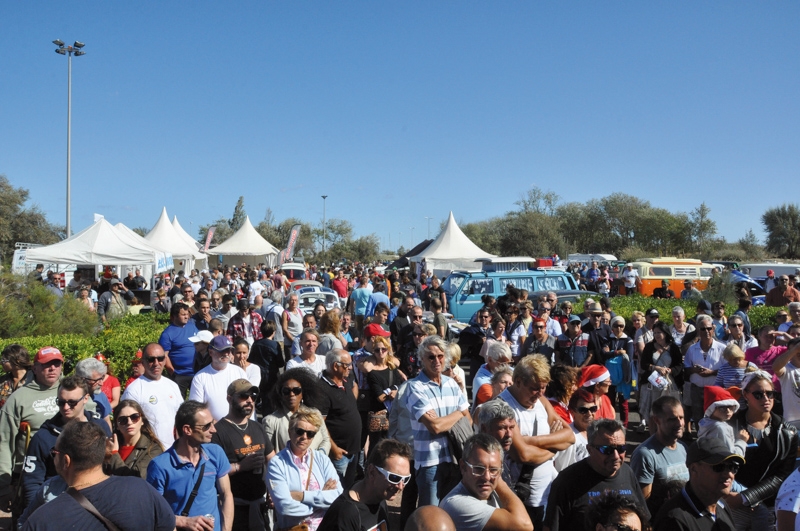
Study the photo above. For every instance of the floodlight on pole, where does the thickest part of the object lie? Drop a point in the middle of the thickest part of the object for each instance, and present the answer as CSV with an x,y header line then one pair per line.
x,y
63,49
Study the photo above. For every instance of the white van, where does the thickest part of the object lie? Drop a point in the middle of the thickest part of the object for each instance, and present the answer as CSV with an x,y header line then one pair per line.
x,y
758,271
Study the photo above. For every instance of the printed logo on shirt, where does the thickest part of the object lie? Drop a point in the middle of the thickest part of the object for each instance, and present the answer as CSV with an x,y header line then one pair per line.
x,y
46,405
153,399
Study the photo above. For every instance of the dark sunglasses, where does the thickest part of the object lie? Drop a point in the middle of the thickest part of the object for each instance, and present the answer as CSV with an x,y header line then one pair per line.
x,y
584,410
758,395
308,433
619,325
134,418
204,427
54,452
286,391
73,403
609,449
152,359
706,328
393,478
727,466
245,395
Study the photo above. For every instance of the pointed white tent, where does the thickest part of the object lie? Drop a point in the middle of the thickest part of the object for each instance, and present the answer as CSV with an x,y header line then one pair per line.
x,y
183,234
164,235
246,245
450,251
100,244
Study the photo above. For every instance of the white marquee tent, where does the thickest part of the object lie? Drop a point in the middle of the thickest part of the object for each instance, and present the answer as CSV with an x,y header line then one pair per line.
x,y
183,234
164,236
101,244
451,251
246,245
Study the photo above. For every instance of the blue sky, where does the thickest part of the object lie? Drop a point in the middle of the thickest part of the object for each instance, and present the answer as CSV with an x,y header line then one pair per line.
x,y
401,110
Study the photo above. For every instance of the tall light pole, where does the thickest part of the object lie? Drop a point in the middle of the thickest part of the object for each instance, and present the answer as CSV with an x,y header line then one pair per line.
x,y
76,49
429,226
324,198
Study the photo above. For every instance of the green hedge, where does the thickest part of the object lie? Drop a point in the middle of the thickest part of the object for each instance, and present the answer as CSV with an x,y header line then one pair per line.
x,y
118,342
625,306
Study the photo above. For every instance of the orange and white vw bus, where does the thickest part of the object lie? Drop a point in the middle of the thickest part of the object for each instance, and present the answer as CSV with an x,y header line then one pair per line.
x,y
652,271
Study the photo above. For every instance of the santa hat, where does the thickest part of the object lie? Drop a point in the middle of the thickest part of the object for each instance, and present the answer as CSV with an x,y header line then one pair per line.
x,y
592,375
714,397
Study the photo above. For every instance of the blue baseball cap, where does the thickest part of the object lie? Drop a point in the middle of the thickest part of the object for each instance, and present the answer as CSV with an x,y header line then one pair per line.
x,y
221,343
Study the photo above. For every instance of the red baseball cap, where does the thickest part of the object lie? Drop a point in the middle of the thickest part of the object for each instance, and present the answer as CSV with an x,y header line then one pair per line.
x,y
48,354
374,329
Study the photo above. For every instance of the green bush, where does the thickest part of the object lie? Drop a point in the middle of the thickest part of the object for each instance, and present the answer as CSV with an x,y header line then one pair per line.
x,y
118,342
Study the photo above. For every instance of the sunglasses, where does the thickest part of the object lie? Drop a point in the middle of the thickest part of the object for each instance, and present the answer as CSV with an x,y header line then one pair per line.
x,y
134,418
619,326
350,365
706,328
54,452
286,391
204,427
245,395
726,466
393,478
415,317
308,433
539,327
759,395
73,403
434,358
584,410
480,470
153,359
609,449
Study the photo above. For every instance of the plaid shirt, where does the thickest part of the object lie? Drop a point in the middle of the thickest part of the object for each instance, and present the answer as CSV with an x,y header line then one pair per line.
x,y
236,326
425,395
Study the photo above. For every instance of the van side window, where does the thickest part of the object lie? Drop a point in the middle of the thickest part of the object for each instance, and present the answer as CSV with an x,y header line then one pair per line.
x,y
550,283
662,271
478,286
518,282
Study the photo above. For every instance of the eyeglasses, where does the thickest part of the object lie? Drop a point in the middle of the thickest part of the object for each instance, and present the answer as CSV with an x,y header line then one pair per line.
x,y
726,466
551,300
584,410
420,334
203,427
538,327
134,418
619,325
54,452
737,325
415,317
393,478
480,470
433,357
308,433
93,381
286,391
188,291
609,449
72,403
706,328
350,365
759,395
381,349
483,316
153,359
244,395
544,309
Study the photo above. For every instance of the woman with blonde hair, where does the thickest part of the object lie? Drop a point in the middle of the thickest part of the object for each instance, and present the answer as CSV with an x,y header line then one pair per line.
x,y
453,370
330,333
384,379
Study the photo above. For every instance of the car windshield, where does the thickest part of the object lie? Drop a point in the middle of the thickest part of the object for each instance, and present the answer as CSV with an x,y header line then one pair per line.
x,y
452,283
295,274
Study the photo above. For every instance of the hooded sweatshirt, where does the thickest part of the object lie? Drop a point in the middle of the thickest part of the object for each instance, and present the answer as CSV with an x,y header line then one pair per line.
x,y
31,403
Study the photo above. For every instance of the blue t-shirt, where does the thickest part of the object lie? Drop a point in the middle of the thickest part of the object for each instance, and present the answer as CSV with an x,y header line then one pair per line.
x,y
103,405
175,478
175,340
361,299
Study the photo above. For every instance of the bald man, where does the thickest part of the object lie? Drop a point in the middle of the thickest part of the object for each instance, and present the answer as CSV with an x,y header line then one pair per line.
x,y
430,518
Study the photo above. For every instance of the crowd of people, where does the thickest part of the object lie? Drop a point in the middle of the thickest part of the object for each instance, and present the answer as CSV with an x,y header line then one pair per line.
x,y
249,414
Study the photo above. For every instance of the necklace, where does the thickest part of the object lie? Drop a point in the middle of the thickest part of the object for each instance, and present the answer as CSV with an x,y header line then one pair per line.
x,y
88,483
241,427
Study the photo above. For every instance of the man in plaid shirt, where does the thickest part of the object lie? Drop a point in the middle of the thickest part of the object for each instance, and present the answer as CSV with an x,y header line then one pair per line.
x,y
245,323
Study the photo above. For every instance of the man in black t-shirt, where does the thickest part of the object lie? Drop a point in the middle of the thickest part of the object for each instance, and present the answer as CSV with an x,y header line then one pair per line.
x,y
248,450
604,470
338,407
363,507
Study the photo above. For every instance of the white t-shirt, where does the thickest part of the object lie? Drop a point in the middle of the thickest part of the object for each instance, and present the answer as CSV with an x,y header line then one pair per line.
x,y
576,452
211,386
254,374
316,367
256,288
790,390
789,496
629,277
468,512
532,421
160,400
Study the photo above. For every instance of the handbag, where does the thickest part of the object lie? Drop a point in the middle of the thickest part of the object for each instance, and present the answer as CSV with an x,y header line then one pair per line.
x,y
458,435
86,504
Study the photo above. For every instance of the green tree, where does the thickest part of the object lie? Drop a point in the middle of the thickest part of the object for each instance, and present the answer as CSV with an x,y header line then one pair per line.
x,y
239,215
750,245
703,227
21,223
782,225
539,201
141,231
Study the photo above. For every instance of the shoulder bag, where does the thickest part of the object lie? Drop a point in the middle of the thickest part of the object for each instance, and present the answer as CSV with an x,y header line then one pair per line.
x,y
86,504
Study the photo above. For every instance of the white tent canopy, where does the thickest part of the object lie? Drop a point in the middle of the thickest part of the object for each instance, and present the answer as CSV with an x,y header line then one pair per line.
x,y
164,236
450,251
101,244
183,234
246,245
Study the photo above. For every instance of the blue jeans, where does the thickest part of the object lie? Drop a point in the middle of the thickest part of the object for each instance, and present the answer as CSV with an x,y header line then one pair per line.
x,y
345,468
434,482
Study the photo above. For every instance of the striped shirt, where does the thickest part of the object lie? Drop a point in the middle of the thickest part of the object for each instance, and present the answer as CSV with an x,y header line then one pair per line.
x,y
425,395
728,376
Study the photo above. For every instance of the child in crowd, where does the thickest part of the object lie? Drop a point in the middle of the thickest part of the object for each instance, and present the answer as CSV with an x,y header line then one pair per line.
x,y
732,372
720,408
